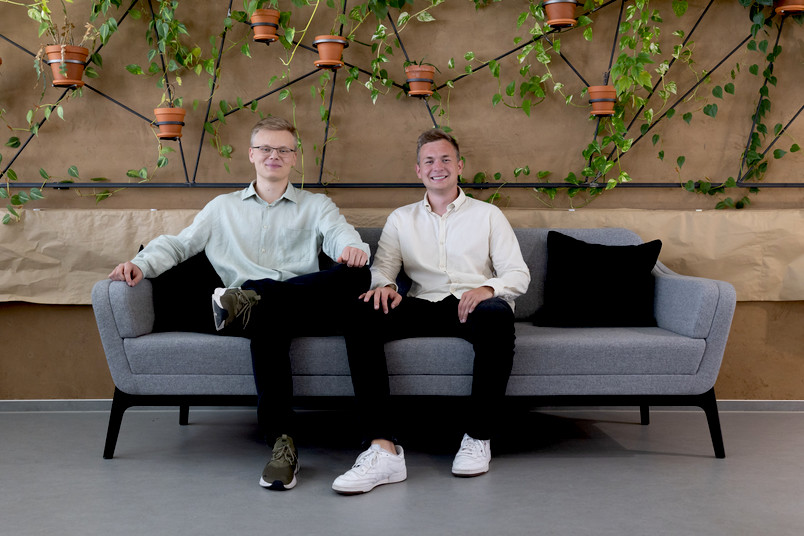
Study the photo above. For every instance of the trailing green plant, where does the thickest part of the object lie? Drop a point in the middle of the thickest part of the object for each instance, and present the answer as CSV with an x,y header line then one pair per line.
x,y
165,34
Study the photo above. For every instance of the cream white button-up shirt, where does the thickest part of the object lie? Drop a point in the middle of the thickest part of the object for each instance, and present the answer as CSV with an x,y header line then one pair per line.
x,y
470,246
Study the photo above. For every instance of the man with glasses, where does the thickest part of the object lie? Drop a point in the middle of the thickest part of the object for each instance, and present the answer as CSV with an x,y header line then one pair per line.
x,y
264,243
466,269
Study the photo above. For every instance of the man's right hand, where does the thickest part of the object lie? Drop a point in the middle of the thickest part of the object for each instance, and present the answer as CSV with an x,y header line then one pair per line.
x,y
128,272
382,296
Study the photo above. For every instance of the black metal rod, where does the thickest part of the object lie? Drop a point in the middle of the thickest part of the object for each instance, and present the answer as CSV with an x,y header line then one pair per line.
x,y
161,55
97,50
326,127
708,74
741,180
280,88
18,45
569,64
211,93
755,119
384,185
614,44
24,145
669,65
104,95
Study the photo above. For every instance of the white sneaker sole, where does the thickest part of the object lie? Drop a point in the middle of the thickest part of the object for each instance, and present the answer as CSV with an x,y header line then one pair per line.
x,y
467,473
216,305
278,485
357,490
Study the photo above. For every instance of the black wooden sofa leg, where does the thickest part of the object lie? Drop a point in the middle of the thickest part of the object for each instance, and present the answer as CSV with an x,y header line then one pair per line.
x,y
644,414
120,403
708,403
184,415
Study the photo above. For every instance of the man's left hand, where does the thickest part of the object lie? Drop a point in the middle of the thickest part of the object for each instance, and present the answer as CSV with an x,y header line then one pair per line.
x,y
470,299
353,257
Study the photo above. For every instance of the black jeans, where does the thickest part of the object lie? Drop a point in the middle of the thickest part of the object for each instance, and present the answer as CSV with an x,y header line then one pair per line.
x,y
317,304
490,329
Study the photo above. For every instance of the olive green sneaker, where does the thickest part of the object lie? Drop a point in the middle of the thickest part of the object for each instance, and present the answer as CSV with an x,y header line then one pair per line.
x,y
231,303
280,472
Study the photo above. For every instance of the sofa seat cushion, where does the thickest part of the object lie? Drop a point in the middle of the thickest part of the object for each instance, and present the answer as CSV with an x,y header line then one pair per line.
x,y
540,351
188,353
604,351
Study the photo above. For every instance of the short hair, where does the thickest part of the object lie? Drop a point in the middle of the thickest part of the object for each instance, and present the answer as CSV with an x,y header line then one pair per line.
x,y
275,123
436,134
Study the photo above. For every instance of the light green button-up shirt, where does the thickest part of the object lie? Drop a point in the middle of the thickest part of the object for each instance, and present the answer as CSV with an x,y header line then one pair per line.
x,y
246,238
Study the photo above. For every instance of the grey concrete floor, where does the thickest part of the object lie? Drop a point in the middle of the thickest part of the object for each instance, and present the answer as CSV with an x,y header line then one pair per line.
x,y
567,472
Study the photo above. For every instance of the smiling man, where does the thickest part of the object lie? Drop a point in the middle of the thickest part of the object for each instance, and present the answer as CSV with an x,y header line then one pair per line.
x,y
264,243
466,270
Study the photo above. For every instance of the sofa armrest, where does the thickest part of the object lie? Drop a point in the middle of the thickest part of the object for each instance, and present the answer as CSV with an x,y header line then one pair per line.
x,y
121,312
687,305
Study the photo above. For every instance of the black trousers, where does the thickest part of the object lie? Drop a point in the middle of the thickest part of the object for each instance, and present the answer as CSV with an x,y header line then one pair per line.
x,y
317,304
490,329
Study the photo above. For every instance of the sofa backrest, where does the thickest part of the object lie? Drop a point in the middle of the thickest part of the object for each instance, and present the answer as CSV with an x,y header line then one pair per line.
x,y
533,243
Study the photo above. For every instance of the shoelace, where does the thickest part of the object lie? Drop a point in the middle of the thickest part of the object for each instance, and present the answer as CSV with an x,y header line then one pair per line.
x,y
284,454
244,305
471,447
366,461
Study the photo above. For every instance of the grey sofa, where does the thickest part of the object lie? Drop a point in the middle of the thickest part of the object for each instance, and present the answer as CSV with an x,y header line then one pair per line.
x,y
675,363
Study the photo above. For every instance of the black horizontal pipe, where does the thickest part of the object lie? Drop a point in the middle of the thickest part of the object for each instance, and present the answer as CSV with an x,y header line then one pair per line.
x,y
336,185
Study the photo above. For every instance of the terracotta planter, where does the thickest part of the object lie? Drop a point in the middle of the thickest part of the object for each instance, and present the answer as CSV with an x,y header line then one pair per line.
x,y
73,61
420,79
265,23
330,51
560,13
169,121
602,99
787,7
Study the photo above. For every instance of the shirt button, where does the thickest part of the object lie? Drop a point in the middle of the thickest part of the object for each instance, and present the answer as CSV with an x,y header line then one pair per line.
x,y
262,250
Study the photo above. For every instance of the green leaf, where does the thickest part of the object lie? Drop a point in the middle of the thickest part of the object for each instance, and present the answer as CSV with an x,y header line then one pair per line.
x,y
729,88
710,110
680,161
424,16
44,174
495,100
687,117
718,92
795,148
655,139
509,89
134,69
778,153
13,142
73,172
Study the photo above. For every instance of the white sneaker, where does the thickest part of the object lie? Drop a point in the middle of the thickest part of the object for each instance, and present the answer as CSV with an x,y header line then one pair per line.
x,y
373,467
473,457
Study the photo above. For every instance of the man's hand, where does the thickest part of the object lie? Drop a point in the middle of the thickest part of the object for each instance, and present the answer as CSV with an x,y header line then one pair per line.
x,y
382,296
353,257
128,272
470,299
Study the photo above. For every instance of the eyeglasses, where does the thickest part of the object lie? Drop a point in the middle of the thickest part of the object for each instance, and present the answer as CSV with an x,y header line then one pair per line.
x,y
281,151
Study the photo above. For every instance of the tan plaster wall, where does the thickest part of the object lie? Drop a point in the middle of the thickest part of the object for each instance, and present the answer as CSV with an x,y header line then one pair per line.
x,y
60,356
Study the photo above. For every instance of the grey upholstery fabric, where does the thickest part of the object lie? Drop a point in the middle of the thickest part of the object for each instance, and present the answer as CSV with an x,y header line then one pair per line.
x,y
680,356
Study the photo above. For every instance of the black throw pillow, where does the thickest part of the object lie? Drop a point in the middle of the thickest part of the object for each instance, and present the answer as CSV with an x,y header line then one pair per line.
x,y
183,296
593,285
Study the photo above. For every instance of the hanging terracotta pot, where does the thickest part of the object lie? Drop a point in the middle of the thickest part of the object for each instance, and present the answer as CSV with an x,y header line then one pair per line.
x,y
560,13
787,7
602,99
330,51
67,67
169,121
420,79
265,23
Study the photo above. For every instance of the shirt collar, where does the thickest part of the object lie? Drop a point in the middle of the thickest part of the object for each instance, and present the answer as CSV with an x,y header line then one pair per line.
x,y
460,200
291,193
